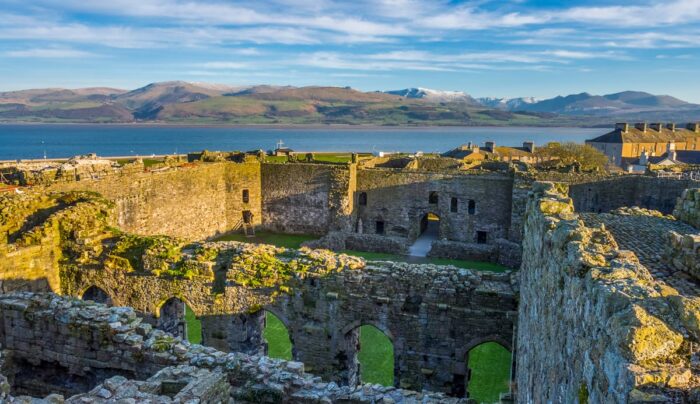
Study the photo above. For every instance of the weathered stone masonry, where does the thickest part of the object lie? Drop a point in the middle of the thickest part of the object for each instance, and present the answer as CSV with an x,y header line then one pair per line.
x,y
192,202
62,345
414,305
593,324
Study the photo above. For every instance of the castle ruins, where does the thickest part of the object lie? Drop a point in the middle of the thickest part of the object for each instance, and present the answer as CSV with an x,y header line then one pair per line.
x,y
601,302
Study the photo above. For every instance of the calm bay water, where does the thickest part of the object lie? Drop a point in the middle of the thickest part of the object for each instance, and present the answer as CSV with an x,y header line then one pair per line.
x,y
32,141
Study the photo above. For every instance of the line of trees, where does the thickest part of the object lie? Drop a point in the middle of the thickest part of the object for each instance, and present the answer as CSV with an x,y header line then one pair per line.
x,y
570,154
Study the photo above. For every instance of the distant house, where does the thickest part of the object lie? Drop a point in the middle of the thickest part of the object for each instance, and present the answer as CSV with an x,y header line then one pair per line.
x,y
672,157
525,154
470,152
630,141
283,151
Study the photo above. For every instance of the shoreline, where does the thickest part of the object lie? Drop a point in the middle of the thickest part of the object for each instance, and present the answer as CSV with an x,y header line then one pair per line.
x,y
291,126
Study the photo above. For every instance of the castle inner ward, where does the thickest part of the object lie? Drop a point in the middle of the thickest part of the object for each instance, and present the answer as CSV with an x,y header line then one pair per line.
x,y
142,240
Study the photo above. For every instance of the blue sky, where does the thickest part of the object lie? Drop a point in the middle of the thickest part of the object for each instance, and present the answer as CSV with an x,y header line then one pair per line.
x,y
540,48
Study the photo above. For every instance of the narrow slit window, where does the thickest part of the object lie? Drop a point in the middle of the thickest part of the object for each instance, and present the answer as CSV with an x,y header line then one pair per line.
x,y
433,197
471,209
362,199
454,203
246,196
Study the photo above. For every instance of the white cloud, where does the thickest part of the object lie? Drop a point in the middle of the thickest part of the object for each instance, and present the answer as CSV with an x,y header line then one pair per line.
x,y
49,53
223,65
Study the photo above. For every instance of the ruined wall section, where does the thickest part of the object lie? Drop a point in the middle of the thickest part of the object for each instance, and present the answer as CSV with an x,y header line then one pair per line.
x,y
400,198
305,198
38,232
604,195
593,325
62,345
323,303
682,251
688,207
192,202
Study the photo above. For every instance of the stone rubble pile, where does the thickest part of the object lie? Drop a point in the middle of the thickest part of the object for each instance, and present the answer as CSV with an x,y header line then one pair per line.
x,y
637,211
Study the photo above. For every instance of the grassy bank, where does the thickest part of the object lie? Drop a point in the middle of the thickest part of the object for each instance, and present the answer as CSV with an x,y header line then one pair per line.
x,y
264,237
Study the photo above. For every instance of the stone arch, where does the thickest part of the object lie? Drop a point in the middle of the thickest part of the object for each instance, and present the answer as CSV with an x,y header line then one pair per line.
x,y
273,321
426,220
498,359
97,295
170,316
352,347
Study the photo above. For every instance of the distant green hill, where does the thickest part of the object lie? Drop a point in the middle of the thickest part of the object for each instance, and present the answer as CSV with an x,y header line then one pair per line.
x,y
200,103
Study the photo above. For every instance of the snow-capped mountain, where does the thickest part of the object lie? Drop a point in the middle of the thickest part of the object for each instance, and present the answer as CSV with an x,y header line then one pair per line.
x,y
433,95
508,104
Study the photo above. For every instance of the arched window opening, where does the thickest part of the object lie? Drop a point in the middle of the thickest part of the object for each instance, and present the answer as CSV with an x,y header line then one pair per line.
x,y
362,199
278,343
471,208
97,295
193,326
488,372
433,197
375,356
369,356
178,319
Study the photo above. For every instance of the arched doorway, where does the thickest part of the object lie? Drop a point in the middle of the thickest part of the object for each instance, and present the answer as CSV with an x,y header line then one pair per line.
x,y
370,357
488,372
429,231
97,295
175,317
278,343
376,356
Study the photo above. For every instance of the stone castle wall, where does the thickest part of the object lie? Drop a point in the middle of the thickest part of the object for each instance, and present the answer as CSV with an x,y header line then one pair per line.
x,y
39,231
688,207
593,325
305,198
192,202
412,304
682,251
62,345
629,190
400,198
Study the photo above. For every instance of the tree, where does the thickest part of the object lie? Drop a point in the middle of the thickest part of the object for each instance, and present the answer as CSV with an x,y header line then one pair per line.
x,y
571,154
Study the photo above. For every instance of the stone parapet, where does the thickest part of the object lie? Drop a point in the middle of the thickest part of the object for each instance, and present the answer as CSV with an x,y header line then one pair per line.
x,y
593,324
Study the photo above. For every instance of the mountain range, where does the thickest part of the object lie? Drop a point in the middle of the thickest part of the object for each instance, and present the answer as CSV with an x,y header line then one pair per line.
x,y
202,103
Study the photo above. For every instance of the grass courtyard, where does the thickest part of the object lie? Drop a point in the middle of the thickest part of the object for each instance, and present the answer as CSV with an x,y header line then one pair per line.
x,y
265,237
295,241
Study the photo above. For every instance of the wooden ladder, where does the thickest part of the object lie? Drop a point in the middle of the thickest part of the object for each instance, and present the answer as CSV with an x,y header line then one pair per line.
x,y
248,230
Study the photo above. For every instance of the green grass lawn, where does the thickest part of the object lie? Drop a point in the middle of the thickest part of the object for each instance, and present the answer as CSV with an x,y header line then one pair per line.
x,y
480,266
194,326
376,357
278,344
264,237
490,365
